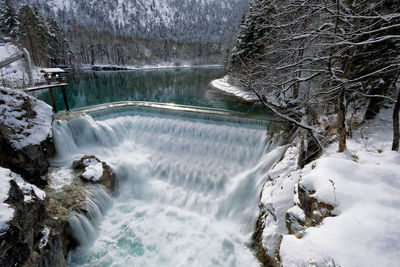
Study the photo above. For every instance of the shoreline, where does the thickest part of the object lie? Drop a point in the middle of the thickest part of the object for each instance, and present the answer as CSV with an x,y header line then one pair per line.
x,y
222,84
100,67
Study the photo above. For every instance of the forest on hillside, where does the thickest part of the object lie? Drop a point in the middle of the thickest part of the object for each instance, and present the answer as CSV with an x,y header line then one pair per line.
x,y
134,32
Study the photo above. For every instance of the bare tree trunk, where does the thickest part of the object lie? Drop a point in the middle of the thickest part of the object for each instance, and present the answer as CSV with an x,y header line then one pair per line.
x,y
375,103
296,86
342,105
342,121
396,134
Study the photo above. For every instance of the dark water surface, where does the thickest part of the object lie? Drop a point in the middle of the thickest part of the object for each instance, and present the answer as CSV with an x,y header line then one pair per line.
x,y
188,86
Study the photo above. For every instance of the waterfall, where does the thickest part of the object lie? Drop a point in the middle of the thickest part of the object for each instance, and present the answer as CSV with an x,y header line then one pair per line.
x,y
83,226
188,186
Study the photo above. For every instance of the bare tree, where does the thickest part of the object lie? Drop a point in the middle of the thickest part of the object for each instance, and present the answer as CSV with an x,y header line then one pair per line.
x,y
316,54
396,134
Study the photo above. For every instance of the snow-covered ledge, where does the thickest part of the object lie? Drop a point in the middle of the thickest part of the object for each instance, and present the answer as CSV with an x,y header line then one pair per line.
x,y
25,135
224,85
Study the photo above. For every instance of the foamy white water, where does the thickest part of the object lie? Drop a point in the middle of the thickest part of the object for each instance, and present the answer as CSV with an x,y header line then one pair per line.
x,y
188,188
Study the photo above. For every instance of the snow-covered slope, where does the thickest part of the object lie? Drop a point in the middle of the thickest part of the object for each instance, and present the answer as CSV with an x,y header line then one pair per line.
x,y
355,193
27,121
180,20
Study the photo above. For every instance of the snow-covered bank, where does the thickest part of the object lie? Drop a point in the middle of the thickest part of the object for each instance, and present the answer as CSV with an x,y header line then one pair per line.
x,y
354,202
168,65
223,85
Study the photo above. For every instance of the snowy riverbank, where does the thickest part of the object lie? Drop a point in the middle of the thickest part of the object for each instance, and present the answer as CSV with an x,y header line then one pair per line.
x,y
166,65
361,185
224,85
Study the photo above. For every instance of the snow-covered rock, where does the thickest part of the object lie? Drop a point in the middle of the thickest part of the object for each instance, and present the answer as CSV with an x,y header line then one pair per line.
x,y
25,134
34,229
30,193
276,199
94,171
28,119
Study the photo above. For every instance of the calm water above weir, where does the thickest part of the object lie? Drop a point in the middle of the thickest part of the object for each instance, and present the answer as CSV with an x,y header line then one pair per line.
x,y
187,86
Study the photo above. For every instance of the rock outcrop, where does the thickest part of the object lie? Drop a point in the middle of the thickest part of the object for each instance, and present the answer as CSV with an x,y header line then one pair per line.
x,y
92,170
288,206
35,231
35,236
25,135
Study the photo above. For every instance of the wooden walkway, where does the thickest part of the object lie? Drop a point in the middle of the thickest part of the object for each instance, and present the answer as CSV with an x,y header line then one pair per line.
x,y
50,88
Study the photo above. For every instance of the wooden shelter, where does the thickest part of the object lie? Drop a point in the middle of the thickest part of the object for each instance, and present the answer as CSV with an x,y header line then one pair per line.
x,y
55,78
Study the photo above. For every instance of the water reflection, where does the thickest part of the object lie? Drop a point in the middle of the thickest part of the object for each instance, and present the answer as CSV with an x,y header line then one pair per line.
x,y
179,86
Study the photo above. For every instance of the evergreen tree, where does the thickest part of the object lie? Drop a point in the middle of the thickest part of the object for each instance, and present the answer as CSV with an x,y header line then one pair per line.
x,y
251,41
8,19
57,45
32,34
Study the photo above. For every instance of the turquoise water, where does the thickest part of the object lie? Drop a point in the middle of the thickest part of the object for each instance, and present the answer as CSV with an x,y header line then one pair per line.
x,y
187,86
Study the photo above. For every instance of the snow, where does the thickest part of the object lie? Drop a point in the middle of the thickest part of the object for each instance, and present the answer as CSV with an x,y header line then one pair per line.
x,y
93,170
52,70
363,186
28,189
223,85
45,239
7,212
297,212
365,232
25,131
277,197
15,75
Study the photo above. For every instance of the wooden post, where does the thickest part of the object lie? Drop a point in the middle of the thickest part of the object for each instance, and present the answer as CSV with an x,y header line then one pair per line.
x,y
65,98
52,100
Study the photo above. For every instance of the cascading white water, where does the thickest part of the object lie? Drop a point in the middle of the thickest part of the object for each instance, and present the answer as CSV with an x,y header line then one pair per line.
x,y
97,202
188,187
